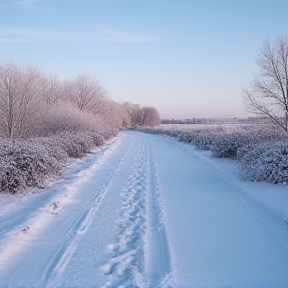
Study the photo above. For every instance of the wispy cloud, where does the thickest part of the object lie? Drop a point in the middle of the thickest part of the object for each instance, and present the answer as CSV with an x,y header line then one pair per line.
x,y
11,40
29,34
20,34
18,3
25,3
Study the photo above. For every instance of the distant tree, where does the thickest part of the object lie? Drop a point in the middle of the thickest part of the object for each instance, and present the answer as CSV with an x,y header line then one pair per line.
x,y
85,93
135,112
34,103
142,116
268,92
20,105
116,115
150,117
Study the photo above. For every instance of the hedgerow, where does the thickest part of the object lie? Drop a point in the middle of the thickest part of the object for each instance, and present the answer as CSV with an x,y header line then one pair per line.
x,y
36,162
228,145
261,150
26,164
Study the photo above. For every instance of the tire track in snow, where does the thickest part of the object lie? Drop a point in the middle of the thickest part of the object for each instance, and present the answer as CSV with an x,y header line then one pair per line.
x,y
140,255
159,266
62,257
14,241
126,264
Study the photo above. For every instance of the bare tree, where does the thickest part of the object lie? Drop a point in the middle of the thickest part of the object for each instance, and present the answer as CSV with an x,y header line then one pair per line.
x,y
19,102
50,89
85,92
268,92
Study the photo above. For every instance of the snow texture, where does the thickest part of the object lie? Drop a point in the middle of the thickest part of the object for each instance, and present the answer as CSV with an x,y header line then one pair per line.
x,y
262,152
146,211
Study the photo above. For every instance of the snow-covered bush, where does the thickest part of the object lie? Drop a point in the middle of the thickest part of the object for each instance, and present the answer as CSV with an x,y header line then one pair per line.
x,y
11,179
227,145
107,132
36,161
266,133
53,147
185,137
261,149
26,164
98,139
268,162
66,118
75,144
203,140
241,151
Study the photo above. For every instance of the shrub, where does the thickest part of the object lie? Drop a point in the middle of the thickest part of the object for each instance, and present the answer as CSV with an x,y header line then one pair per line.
x,y
26,164
53,147
245,148
36,161
11,179
268,162
227,145
74,144
185,137
98,139
203,140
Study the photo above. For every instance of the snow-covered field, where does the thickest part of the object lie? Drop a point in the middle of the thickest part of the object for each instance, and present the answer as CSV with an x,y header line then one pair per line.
x,y
146,211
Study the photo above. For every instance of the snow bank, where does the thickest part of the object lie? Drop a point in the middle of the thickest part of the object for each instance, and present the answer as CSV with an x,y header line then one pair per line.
x,y
261,150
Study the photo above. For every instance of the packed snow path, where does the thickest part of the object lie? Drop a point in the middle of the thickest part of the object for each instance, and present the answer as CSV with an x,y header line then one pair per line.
x,y
142,211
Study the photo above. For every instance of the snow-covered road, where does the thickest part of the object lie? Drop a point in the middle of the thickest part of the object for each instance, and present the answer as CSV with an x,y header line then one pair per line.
x,y
146,211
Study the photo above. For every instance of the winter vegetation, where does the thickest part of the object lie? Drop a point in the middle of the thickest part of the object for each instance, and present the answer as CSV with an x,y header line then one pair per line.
x,y
268,92
261,150
44,121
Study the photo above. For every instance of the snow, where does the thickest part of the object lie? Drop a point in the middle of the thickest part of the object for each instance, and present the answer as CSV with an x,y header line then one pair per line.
x,y
146,211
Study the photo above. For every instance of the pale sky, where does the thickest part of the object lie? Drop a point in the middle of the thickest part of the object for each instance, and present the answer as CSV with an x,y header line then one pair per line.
x,y
187,58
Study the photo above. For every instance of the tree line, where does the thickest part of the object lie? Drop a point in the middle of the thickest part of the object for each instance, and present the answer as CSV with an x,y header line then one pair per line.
x,y
33,103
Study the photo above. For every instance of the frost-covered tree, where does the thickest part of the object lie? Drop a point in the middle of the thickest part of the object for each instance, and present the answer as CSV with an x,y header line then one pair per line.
x,y
85,92
142,116
116,115
150,117
20,104
268,92
66,117
50,89
137,115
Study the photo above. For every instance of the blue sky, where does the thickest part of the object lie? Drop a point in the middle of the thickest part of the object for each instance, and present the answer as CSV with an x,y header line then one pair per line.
x,y
187,58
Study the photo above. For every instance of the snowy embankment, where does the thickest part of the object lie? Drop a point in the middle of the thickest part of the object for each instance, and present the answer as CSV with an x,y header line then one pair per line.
x,y
262,150
146,211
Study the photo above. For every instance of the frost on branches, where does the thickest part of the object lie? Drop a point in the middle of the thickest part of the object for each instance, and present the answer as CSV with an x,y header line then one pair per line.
x,y
45,120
